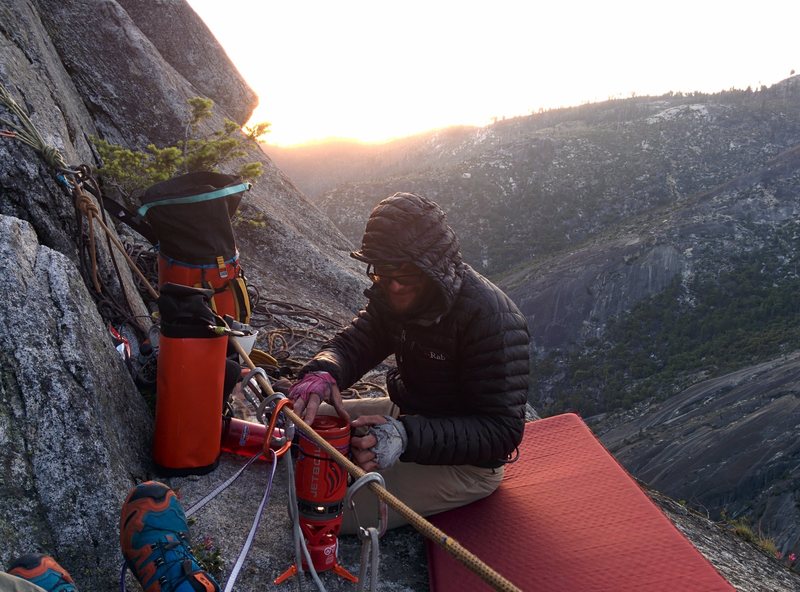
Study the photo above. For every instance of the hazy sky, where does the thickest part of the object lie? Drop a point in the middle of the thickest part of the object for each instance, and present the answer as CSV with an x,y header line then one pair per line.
x,y
374,69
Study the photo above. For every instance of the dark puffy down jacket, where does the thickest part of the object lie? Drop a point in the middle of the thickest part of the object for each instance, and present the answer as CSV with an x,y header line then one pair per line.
x,y
462,363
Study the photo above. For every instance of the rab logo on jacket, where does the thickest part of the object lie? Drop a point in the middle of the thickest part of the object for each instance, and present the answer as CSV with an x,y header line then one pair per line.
x,y
432,355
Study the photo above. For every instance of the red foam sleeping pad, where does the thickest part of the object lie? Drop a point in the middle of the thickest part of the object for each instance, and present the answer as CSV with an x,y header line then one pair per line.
x,y
568,518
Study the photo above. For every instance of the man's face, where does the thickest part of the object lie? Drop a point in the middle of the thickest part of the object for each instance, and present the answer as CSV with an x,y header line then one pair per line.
x,y
403,285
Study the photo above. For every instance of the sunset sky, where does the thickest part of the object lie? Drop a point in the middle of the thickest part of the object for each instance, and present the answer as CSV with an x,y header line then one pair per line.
x,y
372,70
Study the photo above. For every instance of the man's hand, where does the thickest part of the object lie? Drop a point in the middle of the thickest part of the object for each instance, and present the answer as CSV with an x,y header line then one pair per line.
x,y
361,446
381,446
311,390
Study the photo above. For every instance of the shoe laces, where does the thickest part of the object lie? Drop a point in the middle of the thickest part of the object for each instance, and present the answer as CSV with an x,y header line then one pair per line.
x,y
179,553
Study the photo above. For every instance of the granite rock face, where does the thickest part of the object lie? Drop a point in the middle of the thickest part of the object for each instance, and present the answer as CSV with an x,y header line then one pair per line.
x,y
571,296
746,567
184,42
75,431
76,85
726,444
580,291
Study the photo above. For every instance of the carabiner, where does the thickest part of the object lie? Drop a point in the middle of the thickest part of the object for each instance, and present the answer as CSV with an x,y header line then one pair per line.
x,y
383,510
282,401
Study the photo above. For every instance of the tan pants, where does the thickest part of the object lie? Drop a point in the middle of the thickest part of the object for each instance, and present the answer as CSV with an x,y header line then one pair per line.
x,y
426,489
9,583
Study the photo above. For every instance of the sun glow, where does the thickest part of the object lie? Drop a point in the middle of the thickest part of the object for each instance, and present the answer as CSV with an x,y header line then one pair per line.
x,y
372,70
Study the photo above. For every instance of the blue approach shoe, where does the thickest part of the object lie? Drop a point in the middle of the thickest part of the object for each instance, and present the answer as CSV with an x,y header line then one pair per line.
x,y
155,542
43,571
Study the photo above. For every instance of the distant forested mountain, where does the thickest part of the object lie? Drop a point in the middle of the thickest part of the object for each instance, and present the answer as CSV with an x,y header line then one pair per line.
x,y
552,180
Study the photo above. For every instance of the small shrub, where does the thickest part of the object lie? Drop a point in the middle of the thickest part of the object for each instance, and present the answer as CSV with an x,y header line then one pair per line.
x,y
741,528
132,170
768,546
209,556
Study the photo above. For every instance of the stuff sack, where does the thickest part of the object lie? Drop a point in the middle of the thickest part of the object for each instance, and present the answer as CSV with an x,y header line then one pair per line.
x,y
191,216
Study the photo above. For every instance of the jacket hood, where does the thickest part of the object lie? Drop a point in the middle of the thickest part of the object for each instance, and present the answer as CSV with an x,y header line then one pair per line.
x,y
409,228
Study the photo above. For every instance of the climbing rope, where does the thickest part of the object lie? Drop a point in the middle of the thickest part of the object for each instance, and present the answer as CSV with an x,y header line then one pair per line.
x,y
86,205
145,257
286,328
306,326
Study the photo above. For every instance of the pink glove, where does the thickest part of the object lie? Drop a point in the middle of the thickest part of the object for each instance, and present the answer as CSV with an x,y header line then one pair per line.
x,y
313,383
321,384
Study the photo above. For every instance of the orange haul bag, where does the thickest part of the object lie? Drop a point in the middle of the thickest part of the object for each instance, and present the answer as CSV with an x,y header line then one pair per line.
x,y
189,384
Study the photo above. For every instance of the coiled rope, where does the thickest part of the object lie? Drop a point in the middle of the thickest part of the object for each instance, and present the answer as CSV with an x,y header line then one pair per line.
x,y
86,205
284,339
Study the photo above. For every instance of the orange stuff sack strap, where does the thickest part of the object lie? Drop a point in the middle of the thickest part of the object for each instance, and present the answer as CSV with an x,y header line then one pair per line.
x,y
225,278
190,274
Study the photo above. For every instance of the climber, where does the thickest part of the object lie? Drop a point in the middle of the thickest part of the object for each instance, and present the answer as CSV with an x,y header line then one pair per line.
x,y
456,405
155,544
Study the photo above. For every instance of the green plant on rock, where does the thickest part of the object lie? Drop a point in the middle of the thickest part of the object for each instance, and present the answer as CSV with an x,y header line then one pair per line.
x,y
741,528
209,556
133,170
258,221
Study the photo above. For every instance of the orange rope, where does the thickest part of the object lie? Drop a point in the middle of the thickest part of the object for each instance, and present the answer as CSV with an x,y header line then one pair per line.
x,y
88,208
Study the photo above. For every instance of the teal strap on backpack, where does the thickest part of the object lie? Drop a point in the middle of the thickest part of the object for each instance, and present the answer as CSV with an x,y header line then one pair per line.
x,y
224,192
